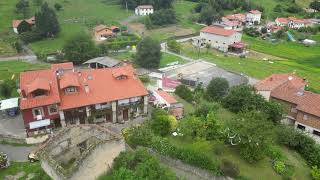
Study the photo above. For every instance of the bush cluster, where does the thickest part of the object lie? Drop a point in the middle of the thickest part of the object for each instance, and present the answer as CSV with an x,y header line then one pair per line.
x,y
187,155
184,92
300,142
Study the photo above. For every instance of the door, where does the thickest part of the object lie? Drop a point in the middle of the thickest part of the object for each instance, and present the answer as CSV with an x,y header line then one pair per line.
x,y
108,117
126,114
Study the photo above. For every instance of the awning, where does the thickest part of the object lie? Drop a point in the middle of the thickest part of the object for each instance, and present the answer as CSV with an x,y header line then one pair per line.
x,y
38,124
9,104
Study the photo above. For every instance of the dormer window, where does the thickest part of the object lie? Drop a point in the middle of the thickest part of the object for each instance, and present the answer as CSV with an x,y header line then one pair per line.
x,y
38,87
39,92
70,90
122,77
120,74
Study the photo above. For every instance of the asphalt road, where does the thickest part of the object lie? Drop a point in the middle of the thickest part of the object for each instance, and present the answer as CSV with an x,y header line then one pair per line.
x,y
17,153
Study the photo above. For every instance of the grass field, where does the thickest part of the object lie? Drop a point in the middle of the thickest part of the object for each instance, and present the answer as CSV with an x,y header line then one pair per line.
x,y
184,12
79,16
27,168
258,68
9,68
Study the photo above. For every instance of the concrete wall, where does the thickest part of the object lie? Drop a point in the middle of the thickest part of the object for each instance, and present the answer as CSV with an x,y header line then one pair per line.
x,y
265,94
99,161
220,42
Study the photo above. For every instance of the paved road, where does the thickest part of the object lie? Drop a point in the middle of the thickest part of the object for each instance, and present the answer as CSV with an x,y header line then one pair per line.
x,y
12,126
17,153
29,56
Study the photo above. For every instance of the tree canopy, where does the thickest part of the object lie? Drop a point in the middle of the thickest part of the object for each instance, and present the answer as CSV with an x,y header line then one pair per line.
x,y
46,21
80,48
148,53
217,88
24,26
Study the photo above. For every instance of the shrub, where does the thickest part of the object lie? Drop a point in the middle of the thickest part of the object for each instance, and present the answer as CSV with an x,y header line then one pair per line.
x,y
315,173
279,167
230,169
204,108
187,155
275,153
138,135
30,36
174,46
217,88
184,92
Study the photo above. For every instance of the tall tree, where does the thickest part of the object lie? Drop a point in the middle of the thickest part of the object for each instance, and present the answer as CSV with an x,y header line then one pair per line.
x,y
315,5
148,53
217,88
24,26
22,7
46,21
80,48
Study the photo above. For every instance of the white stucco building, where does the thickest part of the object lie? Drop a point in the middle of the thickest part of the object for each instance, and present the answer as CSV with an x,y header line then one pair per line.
x,y
219,38
253,16
144,10
293,22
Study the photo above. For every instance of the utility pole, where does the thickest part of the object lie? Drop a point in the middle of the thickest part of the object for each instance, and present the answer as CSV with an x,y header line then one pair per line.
x,y
127,6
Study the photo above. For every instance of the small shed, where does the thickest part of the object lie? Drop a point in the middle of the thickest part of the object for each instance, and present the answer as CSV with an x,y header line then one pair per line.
x,y
103,62
237,47
10,106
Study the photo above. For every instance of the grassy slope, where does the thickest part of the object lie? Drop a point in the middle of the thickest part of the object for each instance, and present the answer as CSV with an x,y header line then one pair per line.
x,y
8,68
183,10
87,14
26,167
258,68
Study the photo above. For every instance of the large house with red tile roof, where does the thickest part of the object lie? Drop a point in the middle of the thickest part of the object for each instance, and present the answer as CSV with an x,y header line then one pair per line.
x,y
61,96
303,107
293,22
219,37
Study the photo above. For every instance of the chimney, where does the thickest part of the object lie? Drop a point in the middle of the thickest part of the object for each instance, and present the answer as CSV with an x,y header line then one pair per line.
x,y
290,78
86,88
300,92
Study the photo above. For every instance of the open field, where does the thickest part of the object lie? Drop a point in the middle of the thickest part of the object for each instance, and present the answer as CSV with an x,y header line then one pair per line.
x,y
184,12
9,68
257,68
27,168
79,16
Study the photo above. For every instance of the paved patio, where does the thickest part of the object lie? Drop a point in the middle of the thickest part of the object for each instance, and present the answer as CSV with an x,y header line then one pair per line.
x,y
12,126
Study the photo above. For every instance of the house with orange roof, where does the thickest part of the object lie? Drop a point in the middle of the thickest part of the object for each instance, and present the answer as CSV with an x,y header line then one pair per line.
x,y
219,37
166,101
102,32
16,23
293,22
302,107
62,96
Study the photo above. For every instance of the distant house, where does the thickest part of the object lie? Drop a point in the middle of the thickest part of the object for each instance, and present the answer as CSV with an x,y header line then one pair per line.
x,y
167,101
220,38
302,107
253,16
16,23
103,62
233,21
144,10
293,22
102,32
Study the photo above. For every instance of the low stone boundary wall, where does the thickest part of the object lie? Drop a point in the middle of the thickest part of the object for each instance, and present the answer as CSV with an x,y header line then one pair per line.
x,y
178,164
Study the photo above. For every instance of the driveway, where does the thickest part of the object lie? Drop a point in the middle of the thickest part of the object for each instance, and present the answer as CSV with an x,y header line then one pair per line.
x,y
17,153
12,126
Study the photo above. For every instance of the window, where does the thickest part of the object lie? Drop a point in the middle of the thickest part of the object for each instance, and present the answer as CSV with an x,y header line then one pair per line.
x,y
316,132
301,127
305,117
39,92
37,112
53,109
71,90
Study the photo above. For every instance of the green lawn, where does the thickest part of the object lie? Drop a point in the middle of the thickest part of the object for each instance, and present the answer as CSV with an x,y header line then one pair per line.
x,y
6,49
258,68
9,68
27,168
184,12
261,170
80,16
168,58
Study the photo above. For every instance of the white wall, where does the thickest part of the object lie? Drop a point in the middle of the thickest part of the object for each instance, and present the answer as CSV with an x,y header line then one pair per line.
x,y
309,130
251,18
220,42
265,94
159,99
143,12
